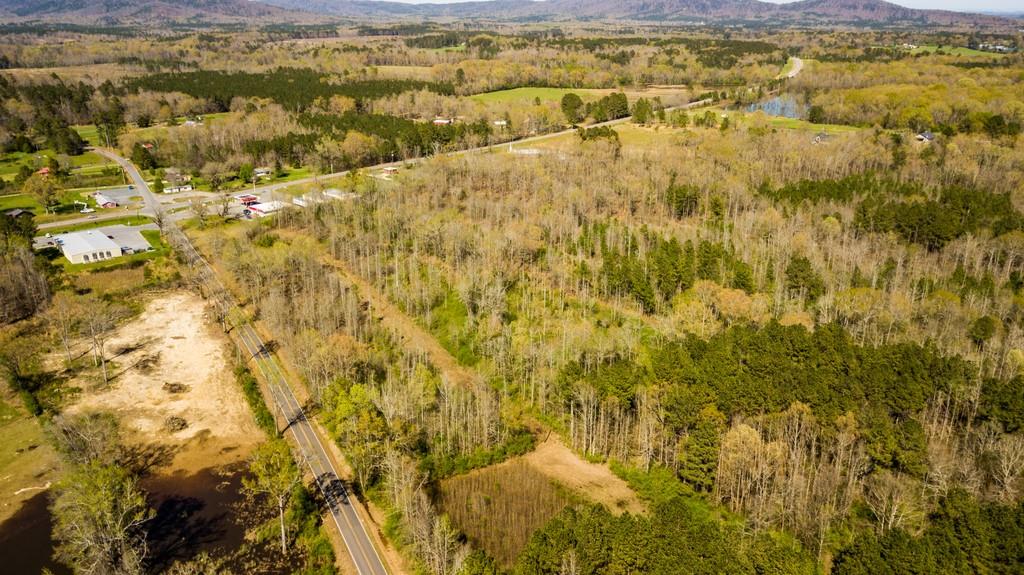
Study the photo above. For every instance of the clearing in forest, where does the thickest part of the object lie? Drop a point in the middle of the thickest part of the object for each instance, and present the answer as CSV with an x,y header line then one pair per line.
x,y
592,481
173,362
499,507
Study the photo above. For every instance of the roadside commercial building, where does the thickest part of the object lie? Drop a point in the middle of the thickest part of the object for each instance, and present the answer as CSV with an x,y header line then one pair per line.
x,y
265,209
88,246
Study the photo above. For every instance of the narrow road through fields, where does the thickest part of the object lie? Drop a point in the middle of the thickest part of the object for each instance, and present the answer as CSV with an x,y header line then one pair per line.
x,y
153,205
519,142
309,447
798,66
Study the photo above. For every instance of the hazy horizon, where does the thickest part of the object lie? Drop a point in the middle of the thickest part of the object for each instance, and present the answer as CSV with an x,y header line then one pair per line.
x,y
956,5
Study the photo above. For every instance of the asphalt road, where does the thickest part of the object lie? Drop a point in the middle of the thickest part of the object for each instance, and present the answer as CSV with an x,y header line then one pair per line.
x,y
261,190
152,204
286,407
346,518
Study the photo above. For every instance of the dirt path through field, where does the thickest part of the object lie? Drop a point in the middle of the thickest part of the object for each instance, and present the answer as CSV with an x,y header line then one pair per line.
x,y
591,480
173,362
412,335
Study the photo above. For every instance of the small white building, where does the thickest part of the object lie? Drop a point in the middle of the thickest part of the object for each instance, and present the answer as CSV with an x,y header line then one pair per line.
x,y
262,172
102,201
177,189
88,247
265,209
309,199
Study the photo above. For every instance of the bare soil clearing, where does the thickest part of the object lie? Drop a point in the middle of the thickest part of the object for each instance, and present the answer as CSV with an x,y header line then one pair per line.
x,y
592,481
173,362
499,507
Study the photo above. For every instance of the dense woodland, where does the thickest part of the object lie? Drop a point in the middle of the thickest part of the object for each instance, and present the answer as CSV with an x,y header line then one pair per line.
x,y
839,372
804,348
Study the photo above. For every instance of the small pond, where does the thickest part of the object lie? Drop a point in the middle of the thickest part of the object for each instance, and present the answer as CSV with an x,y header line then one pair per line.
x,y
783,105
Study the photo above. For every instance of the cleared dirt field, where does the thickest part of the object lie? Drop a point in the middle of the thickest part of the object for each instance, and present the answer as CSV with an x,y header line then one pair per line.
x,y
499,507
173,361
592,481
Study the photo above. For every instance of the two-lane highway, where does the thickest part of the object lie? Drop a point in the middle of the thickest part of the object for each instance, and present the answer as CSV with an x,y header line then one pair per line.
x,y
346,518
309,447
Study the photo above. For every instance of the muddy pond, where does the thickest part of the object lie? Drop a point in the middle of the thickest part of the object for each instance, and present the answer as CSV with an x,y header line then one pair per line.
x,y
194,514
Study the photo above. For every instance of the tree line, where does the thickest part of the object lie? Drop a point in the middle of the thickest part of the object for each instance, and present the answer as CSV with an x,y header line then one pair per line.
x,y
294,88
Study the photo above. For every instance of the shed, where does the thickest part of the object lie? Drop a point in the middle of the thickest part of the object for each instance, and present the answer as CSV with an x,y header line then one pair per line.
x,y
18,213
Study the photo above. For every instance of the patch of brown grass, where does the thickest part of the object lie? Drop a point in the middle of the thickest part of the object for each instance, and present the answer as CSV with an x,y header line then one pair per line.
x,y
111,281
499,508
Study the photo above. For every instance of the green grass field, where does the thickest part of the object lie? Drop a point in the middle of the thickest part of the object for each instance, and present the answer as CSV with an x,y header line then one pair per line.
x,y
23,201
66,208
528,95
956,51
794,124
154,131
85,164
787,68
127,220
784,123
26,460
89,133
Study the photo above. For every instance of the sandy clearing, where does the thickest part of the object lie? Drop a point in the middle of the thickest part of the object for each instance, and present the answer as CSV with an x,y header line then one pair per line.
x,y
591,480
174,342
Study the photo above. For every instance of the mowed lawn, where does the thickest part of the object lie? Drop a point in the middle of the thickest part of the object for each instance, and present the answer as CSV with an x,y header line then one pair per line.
x,y
956,51
11,162
19,201
528,95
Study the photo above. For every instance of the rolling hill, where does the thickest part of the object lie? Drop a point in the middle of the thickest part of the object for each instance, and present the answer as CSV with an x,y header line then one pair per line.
x,y
813,12
145,11
870,13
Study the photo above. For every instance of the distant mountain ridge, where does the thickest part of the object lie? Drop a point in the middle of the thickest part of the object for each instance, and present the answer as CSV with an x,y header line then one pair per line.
x,y
803,12
143,11
862,12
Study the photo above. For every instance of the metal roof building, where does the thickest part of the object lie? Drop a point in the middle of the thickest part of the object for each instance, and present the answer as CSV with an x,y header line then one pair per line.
x,y
88,246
